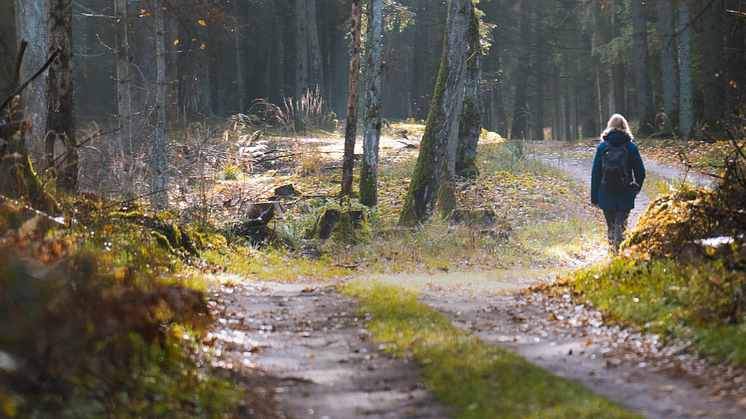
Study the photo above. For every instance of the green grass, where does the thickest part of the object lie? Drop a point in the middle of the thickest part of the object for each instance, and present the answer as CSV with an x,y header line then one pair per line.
x,y
476,379
696,303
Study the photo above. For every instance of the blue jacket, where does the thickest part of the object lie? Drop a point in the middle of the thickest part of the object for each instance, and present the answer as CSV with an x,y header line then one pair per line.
x,y
617,201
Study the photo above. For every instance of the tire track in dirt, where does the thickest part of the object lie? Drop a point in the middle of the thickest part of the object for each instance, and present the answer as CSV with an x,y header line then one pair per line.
x,y
304,345
632,369
308,348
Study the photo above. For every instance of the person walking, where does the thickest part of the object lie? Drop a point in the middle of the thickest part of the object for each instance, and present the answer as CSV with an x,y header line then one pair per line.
x,y
617,177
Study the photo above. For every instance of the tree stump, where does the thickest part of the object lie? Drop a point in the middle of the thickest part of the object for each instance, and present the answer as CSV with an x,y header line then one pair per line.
x,y
326,222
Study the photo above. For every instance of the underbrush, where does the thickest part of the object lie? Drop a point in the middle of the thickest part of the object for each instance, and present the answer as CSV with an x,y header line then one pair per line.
x,y
97,321
517,190
701,304
682,274
478,380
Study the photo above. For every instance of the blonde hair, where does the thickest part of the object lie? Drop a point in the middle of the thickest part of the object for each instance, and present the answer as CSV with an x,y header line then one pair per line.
x,y
617,123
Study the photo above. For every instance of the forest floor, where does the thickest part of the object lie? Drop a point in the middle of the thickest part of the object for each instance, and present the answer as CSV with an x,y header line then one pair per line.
x,y
307,346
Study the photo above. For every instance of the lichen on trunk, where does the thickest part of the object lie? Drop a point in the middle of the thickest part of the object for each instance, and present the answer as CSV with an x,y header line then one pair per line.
x,y
470,126
436,162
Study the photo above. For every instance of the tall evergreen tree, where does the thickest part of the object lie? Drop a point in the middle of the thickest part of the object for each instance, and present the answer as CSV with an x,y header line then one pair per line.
x,y
159,177
712,63
669,59
521,113
124,96
61,99
686,114
643,86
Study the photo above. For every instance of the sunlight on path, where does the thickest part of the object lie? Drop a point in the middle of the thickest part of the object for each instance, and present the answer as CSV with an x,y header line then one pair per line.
x,y
497,281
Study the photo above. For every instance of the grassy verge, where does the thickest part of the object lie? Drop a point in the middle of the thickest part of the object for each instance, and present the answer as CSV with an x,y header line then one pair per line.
x,y
696,303
477,379
103,321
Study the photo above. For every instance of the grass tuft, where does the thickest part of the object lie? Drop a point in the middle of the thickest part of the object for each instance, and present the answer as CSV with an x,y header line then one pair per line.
x,y
477,379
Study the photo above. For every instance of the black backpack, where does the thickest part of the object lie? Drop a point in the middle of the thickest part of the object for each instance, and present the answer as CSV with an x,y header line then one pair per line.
x,y
614,164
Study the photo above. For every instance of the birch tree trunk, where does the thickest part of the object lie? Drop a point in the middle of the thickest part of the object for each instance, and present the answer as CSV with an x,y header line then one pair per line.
x,y
520,109
470,127
348,162
436,162
124,96
686,114
644,89
316,70
669,59
61,98
712,68
372,119
301,57
158,160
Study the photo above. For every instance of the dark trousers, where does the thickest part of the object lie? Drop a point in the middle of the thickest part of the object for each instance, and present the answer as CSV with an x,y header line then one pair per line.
x,y
616,223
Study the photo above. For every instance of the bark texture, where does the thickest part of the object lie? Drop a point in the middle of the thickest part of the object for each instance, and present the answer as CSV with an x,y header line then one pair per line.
x,y
17,177
8,49
372,119
518,130
124,96
686,114
712,69
315,67
158,160
31,16
669,59
301,54
348,162
61,99
470,126
643,86
436,162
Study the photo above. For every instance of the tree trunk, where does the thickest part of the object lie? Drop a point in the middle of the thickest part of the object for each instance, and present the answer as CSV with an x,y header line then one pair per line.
x,y
669,59
540,68
31,17
520,110
8,49
238,45
61,98
644,89
124,96
352,99
301,57
436,163
372,120
194,79
470,127
315,67
686,115
419,55
712,71
618,71
17,177
158,160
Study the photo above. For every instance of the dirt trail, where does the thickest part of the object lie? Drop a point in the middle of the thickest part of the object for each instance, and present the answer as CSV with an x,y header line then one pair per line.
x,y
313,352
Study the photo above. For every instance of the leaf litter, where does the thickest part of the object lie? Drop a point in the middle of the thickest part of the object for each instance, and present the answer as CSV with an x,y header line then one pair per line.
x,y
557,319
